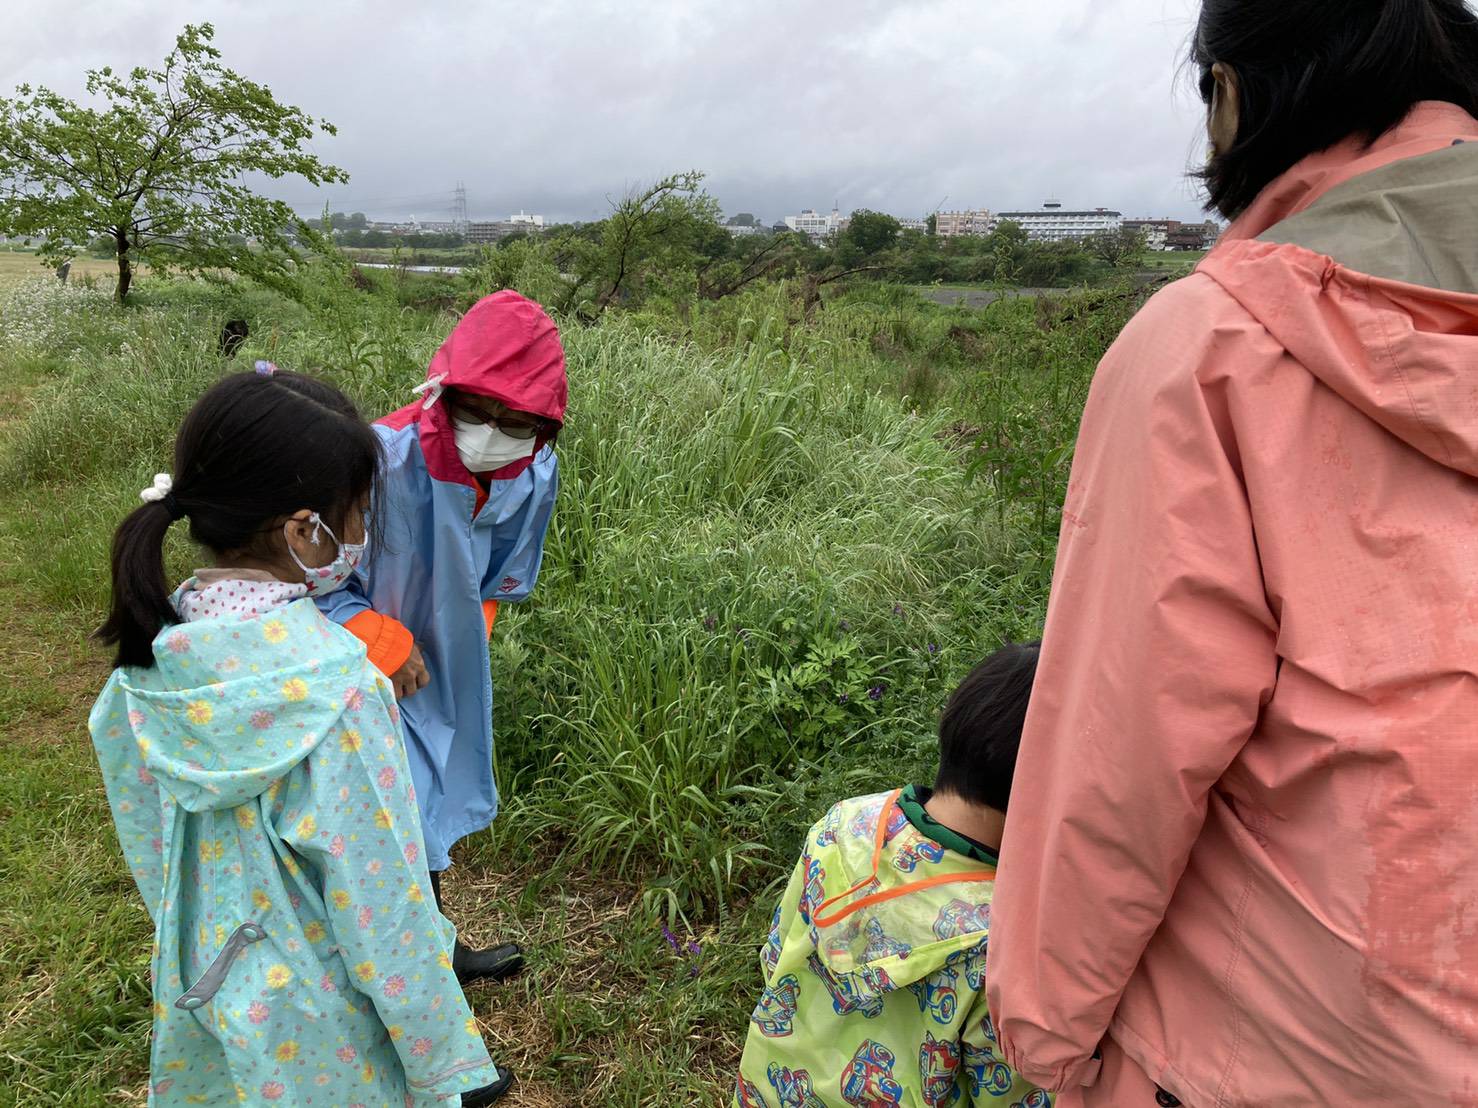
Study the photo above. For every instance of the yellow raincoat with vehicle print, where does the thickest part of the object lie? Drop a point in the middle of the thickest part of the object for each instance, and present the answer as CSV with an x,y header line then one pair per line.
x,y
874,992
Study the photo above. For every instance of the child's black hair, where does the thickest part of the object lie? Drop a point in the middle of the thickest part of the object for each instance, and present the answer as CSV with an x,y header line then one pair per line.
x,y
980,730
253,450
1311,73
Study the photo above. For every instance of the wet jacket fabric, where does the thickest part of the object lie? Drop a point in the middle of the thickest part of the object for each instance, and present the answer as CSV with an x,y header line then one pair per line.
x,y
444,550
873,991
262,798
1245,843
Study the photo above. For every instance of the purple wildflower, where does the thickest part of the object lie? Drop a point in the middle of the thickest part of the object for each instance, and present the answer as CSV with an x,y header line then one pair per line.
x,y
709,623
933,648
875,693
898,610
843,698
845,625
672,940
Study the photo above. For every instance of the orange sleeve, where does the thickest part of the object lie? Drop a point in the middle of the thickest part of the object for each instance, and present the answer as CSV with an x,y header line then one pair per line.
x,y
490,614
387,640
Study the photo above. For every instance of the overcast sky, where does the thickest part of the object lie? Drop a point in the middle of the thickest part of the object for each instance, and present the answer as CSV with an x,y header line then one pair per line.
x,y
552,107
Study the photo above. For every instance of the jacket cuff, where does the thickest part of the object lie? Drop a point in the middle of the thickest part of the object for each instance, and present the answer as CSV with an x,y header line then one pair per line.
x,y
1069,1075
387,642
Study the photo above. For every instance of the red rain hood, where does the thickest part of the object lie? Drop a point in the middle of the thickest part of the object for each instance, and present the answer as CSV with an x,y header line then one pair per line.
x,y
506,347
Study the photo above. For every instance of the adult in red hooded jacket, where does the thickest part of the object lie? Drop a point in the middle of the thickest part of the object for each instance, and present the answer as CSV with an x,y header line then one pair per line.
x,y
1243,868
470,483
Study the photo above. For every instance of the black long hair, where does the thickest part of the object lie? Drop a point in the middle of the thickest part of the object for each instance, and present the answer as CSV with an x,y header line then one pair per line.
x,y
1312,73
254,449
980,731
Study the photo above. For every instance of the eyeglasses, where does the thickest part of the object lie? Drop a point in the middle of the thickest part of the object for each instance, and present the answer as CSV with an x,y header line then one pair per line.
x,y
515,426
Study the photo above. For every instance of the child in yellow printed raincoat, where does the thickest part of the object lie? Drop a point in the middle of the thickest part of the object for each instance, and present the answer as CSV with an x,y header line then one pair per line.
x,y
874,991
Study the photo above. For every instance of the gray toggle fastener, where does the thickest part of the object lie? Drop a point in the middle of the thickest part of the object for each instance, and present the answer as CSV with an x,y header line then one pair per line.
x,y
213,978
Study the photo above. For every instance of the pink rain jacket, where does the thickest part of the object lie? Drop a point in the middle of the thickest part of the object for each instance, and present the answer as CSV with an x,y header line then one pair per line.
x,y
1243,842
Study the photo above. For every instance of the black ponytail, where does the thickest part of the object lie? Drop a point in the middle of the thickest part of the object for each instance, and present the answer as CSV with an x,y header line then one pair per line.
x,y
1311,74
252,451
141,605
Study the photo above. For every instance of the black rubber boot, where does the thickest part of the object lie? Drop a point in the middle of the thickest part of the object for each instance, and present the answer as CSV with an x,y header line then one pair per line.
x,y
496,963
489,1093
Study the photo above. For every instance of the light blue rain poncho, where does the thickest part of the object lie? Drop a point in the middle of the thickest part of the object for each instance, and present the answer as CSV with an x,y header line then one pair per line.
x,y
262,799
447,555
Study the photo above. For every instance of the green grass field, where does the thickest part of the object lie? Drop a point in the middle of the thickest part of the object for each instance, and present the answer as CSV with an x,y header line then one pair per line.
x,y
760,521
17,266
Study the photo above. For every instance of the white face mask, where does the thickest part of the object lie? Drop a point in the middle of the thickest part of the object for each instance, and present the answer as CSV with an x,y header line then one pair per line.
x,y
484,448
325,579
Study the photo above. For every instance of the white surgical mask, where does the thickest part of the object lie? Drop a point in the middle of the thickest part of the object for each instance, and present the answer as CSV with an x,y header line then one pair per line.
x,y
326,579
484,448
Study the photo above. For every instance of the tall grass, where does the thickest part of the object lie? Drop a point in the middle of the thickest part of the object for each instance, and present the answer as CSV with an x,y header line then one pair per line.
x,y
768,558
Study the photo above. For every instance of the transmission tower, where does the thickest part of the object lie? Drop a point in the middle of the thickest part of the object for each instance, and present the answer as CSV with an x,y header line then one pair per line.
x,y
459,209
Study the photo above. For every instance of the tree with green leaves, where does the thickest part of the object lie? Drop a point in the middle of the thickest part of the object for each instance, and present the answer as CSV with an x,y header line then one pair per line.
x,y
1124,244
157,164
867,234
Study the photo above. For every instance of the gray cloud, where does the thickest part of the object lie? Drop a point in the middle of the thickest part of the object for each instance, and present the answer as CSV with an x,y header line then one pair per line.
x,y
889,104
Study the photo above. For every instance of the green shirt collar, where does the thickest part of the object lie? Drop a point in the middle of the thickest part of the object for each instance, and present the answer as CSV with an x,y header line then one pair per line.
x,y
911,803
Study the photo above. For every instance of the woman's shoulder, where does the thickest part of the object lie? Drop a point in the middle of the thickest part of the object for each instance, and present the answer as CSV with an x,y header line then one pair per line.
x,y
1190,330
1195,301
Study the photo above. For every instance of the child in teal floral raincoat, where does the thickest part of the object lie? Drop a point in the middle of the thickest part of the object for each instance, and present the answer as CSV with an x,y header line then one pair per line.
x,y
259,783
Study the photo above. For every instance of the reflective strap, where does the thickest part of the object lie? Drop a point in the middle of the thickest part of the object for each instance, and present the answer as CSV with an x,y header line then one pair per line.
x,y
212,979
821,919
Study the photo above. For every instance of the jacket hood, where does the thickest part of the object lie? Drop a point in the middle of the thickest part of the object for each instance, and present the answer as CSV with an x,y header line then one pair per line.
x,y
506,347
1358,261
887,943
217,731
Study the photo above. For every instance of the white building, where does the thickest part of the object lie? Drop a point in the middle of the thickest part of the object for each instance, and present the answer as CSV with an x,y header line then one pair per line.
x,y
976,221
815,225
907,223
524,219
1051,223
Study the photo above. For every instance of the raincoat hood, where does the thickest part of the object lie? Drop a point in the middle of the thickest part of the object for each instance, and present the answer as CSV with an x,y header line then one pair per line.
x,y
875,970
893,906
199,716
507,348
1352,261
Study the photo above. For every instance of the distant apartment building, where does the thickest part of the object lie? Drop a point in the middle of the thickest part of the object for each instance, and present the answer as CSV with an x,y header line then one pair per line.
x,y
493,230
976,221
907,223
1194,236
815,225
432,227
1052,223
1156,232
487,231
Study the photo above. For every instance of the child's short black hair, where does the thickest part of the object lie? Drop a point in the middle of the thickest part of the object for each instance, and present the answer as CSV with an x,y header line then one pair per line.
x,y
980,730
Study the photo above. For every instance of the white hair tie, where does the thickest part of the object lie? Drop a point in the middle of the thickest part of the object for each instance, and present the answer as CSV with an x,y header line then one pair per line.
x,y
432,387
161,488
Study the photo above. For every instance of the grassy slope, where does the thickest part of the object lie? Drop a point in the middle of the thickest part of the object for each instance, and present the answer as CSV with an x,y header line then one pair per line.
x,y
749,526
17,266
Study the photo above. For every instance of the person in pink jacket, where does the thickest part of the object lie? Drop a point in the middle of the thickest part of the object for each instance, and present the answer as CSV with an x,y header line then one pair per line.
x,y
1248,873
